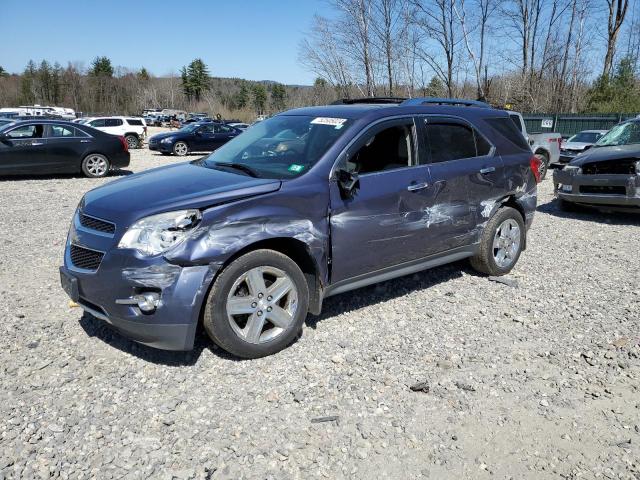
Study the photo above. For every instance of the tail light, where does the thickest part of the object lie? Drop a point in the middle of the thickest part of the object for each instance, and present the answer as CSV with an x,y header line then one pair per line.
x,y
125,145
534,163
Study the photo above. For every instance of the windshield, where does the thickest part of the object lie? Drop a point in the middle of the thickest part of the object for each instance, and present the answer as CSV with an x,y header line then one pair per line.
x,y
585,137
281,147
622,134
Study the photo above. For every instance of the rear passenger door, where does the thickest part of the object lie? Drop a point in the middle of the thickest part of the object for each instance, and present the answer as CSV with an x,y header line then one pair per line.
x,y
65,147
467,177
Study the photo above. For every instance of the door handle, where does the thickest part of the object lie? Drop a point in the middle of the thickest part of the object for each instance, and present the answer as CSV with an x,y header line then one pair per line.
x,y
35,144
486,170
85,141
414,187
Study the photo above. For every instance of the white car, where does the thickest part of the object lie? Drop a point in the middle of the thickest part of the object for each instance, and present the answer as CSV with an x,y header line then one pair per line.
x,y
134,130
579,143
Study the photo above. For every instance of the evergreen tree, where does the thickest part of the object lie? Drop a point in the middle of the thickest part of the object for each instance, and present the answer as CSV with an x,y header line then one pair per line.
x,y
259,98
27,84
620,93
278,97
101,67
144,75
195,79
241,99
3,72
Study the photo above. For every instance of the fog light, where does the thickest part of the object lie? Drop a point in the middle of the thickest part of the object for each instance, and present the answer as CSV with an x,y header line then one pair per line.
x,y
147,302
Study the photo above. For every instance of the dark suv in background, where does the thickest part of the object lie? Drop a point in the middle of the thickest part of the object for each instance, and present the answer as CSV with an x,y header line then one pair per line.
x,y
307,204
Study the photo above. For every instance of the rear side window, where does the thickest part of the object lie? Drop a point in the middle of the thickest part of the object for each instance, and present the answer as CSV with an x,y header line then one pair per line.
x,y
97,123
134,121
516,121
113,122
61,131
508,130
450,141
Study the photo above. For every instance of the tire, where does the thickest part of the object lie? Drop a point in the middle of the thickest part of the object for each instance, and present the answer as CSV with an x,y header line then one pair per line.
x,y
544,165
234,332
132,141
95,165
180,149
510,242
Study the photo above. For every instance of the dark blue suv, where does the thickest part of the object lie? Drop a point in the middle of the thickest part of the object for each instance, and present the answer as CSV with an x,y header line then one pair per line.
x,y
310,203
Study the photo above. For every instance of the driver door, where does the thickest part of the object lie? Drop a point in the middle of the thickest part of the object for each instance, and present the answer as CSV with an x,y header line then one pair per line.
x,y
205,138
24,150
386,221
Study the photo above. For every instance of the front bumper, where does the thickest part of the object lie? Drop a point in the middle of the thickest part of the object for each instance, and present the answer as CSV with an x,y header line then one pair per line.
x,y
567,155
122,274
622,191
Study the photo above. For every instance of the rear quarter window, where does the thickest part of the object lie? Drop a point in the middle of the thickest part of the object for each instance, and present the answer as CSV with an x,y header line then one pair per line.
x,y
506,128
113,122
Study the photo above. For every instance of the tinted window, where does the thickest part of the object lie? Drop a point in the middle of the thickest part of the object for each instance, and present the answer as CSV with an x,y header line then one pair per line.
x,y
206,129
508,130
386,150
133,121
450,141
61,131
27,131
516,121
113,122
97,123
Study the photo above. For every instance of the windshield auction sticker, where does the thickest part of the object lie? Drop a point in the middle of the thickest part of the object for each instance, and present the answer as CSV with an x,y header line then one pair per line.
x,y
334,122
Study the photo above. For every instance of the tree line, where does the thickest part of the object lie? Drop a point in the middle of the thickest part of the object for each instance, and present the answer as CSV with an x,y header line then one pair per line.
x,y
103,88
534,55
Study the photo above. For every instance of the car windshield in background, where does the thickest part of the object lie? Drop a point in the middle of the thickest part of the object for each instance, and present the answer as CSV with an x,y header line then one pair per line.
x,y
585,137
623,134
281,147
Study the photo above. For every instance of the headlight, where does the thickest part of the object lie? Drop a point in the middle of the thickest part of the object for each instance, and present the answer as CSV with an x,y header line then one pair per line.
x,y
167,140
158,233
572,169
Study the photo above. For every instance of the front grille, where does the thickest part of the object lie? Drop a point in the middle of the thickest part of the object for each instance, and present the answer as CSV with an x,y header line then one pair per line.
x,y
624,166
85,258
97,224
603,190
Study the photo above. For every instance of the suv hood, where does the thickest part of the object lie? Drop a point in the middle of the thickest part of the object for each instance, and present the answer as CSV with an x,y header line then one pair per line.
x,y
173,187
604,154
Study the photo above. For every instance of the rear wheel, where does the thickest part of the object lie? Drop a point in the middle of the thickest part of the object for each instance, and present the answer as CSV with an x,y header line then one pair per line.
x,y
132,141
257,305
95,165
501,243
181,149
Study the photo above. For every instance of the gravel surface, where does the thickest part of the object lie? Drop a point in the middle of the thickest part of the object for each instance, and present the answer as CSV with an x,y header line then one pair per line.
x,y
442,375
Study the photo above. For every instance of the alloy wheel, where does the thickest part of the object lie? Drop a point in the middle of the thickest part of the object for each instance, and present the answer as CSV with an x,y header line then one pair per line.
x,y
506,243
180,149
96,165
262,304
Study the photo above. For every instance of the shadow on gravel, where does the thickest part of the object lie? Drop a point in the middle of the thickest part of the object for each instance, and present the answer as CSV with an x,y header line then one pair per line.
x,y
385,291
591,214
61,176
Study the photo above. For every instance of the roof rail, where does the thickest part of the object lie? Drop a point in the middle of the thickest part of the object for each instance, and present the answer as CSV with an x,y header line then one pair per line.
x,y
443,101
365,100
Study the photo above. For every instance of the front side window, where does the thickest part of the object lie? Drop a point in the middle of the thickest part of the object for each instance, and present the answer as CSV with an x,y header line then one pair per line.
x,y
261,152
627,133
388,149
26,131
451,141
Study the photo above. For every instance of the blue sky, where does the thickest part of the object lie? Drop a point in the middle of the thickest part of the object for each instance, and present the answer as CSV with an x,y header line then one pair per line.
x,y
252,39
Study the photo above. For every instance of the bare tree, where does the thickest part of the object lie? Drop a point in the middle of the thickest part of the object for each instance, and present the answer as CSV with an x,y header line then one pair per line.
x,y
617,12
387,23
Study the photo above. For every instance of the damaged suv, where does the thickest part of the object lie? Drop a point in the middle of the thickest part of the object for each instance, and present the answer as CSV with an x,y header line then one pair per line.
x,y
307,204
607,176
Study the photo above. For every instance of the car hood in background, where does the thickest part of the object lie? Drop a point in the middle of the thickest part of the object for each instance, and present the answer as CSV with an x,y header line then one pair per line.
x,y
173,187
575,145
604,154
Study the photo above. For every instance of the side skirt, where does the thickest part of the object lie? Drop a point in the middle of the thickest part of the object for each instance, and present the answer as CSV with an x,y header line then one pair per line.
x,y
401,270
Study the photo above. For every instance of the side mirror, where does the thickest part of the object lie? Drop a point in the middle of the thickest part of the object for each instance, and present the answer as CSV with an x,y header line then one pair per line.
x,y
349,183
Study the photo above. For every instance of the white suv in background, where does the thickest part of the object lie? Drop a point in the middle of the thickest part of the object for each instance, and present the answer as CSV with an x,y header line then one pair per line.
x,y
134,130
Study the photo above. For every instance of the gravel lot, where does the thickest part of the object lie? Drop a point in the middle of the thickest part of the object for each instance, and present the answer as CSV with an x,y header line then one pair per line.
x,y
537,379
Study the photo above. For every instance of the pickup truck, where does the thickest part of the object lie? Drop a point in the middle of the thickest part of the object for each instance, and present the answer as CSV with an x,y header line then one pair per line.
x,y
545,146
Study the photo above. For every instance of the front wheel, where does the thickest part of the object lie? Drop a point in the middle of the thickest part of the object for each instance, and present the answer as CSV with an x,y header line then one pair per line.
x,y
95,166
501,243
180,149
544,165
257,305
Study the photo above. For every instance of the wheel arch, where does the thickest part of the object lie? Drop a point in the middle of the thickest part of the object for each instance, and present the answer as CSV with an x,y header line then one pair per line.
x,y
512,201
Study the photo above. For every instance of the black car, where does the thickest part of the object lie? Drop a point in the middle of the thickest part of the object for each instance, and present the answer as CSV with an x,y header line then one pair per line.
x,y
607,176
195,137
51,146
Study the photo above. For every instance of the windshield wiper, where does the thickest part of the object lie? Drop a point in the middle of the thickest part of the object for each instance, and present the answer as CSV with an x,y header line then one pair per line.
x,y
238,166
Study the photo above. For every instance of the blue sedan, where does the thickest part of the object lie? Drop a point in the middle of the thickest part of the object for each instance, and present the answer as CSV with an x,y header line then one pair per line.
x,y
196,137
